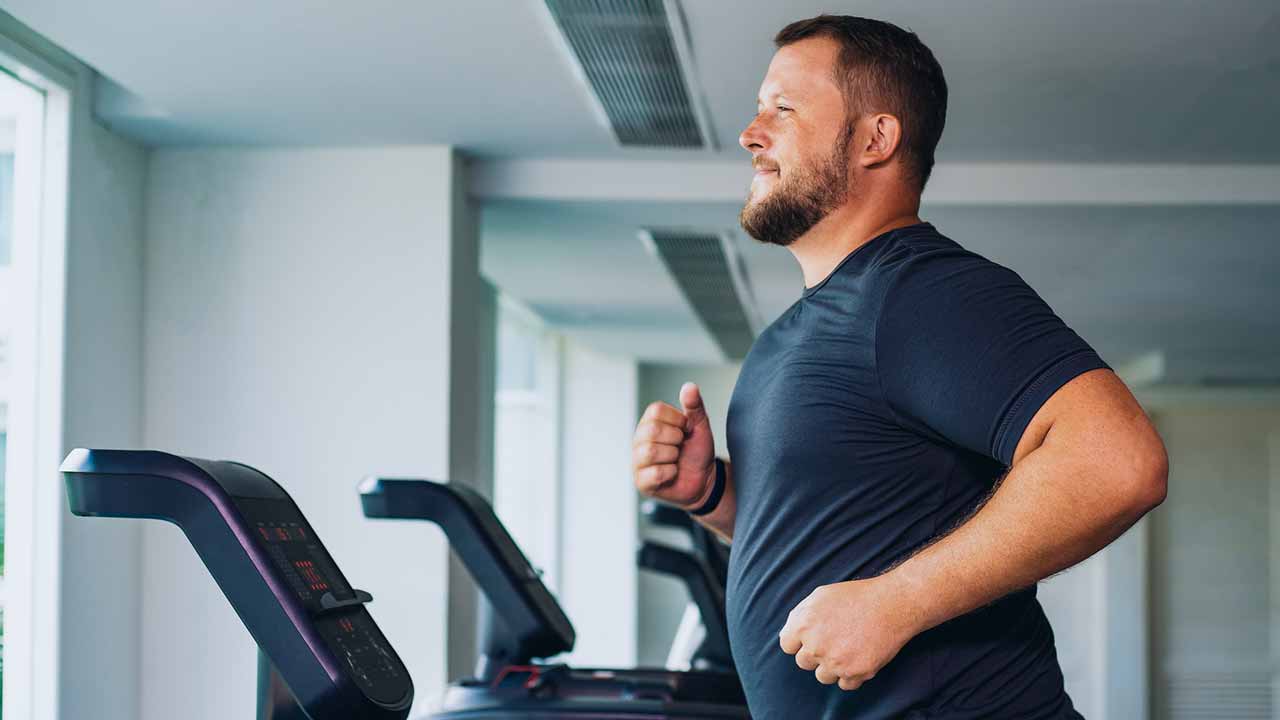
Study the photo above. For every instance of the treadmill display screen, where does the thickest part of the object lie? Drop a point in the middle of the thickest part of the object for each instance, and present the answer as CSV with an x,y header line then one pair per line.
x,y
290,543
305,565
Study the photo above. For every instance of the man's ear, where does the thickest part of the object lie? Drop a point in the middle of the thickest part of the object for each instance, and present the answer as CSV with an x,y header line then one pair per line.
x,y
882,134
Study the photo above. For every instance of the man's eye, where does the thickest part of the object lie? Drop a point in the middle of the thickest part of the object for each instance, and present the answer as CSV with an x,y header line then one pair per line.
x,y
783,108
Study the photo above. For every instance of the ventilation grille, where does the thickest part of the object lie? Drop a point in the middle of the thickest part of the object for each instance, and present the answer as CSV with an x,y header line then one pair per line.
x,y
1219,696
698,263
630,59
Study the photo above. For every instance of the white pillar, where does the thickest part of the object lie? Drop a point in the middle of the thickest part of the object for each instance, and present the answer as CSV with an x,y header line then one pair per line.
x,y
598,506
314,313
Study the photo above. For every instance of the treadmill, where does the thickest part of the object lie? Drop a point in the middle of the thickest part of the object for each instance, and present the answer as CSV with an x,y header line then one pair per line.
x,y
321,656
702,639
524,623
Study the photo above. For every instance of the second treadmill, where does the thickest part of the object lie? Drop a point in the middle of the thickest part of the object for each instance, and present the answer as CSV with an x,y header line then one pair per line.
x,y
527,624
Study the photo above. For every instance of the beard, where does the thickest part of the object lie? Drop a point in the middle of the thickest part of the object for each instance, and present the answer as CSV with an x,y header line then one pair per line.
x,y
802,200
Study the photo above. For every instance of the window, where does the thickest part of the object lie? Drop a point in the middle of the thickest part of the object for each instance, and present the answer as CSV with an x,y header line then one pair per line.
x,y
8,136
3,438
527,437
34,141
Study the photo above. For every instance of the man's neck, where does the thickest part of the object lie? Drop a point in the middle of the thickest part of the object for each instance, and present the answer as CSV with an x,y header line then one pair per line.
x,y
846,229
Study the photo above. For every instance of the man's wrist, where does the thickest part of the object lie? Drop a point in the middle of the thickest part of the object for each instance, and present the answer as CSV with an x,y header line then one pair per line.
x,y
912,598
715,493
708,486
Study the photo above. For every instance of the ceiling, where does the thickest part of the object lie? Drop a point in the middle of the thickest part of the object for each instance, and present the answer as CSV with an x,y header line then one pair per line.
x,y
1092,81
1045,81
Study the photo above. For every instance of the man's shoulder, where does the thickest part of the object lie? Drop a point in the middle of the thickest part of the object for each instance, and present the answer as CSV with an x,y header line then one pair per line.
x,y
919,245
921,258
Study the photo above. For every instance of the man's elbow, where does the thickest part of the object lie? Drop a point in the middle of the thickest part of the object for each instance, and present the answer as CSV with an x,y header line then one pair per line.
x,y
1150,474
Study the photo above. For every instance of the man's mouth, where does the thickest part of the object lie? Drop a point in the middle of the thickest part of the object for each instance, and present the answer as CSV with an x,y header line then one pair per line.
x,y
762,167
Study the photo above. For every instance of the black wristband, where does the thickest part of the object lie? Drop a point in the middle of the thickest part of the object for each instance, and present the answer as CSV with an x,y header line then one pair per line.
x,y
717,492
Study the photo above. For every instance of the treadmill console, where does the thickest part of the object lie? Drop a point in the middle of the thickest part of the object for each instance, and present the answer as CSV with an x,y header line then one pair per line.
x,y
306,618
335,608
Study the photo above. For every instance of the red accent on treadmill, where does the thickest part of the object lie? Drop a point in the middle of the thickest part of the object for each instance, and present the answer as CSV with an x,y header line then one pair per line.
x,y
533,671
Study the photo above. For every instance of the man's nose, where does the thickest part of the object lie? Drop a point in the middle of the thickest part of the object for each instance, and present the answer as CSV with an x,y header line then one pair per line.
x,y
753,139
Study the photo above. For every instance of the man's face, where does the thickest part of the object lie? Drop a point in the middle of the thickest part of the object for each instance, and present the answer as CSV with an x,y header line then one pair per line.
x,y
798,144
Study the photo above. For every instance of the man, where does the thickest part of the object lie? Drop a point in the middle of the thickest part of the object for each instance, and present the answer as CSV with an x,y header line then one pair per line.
x,y
915,442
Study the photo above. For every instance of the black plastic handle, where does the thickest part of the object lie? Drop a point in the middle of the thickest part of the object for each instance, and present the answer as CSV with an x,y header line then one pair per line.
x,y
665,515
268,562
706,593
531,623
713,552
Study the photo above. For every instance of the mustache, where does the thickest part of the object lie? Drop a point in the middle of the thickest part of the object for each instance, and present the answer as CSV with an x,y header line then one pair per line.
x,y
760,163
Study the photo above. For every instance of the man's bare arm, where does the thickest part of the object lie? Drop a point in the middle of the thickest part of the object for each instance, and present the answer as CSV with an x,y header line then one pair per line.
x,y
1088,466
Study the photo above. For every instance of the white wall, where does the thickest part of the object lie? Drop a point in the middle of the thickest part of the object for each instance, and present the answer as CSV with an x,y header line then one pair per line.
x,y
1124,667
298,318
1076,608
598,530
1212,563
103,401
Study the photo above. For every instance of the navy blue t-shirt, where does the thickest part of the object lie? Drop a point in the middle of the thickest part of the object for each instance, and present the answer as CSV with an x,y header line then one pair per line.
x,y
874,415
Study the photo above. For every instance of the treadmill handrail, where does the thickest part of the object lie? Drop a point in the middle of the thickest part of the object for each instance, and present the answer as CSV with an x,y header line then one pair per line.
x,y
664,515
713,552
196,495
533,625
706,595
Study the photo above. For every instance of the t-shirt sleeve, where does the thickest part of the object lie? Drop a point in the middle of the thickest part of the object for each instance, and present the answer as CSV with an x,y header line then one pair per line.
x,y
967,352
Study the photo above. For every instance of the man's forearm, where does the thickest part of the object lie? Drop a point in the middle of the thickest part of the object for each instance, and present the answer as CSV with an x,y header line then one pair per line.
x,y
720,520
1055,508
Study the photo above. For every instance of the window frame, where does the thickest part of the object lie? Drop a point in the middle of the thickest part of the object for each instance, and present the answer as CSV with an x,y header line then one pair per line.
x,y
33,548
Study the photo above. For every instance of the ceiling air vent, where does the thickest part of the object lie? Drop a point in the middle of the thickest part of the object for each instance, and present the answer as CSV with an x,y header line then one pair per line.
x,y
634,56
708,272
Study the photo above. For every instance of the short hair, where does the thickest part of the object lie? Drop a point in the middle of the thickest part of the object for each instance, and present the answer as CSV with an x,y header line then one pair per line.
x,y
883,68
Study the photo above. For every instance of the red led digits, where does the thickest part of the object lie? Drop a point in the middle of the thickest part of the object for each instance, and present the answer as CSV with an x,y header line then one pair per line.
x,y
308,571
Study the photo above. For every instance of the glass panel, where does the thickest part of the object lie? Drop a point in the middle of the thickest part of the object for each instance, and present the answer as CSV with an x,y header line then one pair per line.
x,y
525,440
3,446
6,199
21,141
517,353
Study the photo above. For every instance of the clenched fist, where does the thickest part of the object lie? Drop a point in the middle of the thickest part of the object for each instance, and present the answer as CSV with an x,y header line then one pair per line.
x,y
673,454
847,631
